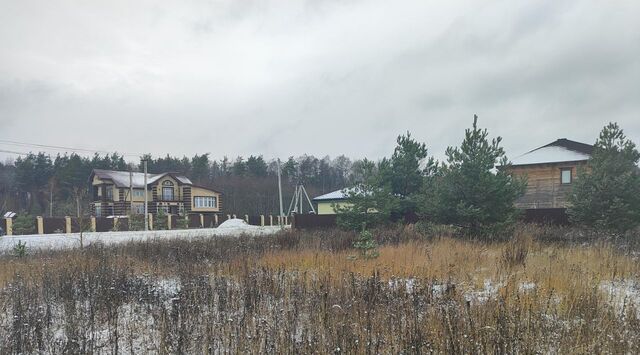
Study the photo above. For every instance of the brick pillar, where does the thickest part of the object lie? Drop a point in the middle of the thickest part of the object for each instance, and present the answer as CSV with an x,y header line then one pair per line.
x,y
9,230
67,221
93,223
40,224
201,220
262,220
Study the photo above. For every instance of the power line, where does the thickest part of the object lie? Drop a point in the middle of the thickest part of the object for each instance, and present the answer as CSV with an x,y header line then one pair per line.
x,y
12,152
57,147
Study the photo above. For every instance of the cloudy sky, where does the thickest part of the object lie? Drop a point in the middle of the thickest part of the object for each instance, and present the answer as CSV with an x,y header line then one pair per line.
x,y
280,78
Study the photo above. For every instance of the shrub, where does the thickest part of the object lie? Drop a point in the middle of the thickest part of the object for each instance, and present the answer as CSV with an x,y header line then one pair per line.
x,y
20,249
180,222
136,222
160,220
24,224
366,245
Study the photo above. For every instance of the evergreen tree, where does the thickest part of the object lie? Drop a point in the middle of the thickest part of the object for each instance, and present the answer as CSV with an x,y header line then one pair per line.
x,y
369,203
606,195
403,173
473,189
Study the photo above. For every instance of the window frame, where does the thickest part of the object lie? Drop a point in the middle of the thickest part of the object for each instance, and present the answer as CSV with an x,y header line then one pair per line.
x,y
205,202
562,171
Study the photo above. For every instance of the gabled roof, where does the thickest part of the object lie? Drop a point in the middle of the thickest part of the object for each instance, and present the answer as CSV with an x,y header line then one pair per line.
x,y
562,150
121,178
335,195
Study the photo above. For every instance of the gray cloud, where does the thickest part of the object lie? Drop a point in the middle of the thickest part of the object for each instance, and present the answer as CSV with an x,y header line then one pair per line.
x,y
284,78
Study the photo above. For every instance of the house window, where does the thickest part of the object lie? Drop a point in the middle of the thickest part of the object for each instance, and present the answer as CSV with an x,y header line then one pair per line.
x,y
167,191
164,209
138,193
138,208
205,202
109,192
565,175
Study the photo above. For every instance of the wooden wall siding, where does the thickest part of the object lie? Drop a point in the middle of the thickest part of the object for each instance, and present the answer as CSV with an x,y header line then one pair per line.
x,y
186,193
544,187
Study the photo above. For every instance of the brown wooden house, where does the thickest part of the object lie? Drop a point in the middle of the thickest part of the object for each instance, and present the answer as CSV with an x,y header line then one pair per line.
x,y
122,193
550,171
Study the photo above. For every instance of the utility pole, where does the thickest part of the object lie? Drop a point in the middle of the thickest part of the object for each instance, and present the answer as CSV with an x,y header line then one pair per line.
x,y
146,198
51,199
130,192
280,220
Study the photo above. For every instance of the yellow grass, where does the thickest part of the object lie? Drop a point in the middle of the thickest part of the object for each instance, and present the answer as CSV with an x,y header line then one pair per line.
x,y
553,269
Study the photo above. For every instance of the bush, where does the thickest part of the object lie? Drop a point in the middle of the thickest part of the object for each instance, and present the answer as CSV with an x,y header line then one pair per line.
x,y
24,224
180,222
20,249
367,246
160,220
136,222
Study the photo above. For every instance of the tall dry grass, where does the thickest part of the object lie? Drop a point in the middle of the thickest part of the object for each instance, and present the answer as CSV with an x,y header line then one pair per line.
x,y
303,292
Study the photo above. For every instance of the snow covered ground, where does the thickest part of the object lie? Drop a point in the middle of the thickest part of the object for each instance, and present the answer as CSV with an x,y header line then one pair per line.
x,y
232,227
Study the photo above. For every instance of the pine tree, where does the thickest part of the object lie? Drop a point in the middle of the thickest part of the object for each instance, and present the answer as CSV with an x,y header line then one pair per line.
x,y
473,189
606,194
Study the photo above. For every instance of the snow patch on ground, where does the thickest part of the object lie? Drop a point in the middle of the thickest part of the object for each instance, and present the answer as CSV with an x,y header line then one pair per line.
x,y
489,291
525,287
72,240
621,293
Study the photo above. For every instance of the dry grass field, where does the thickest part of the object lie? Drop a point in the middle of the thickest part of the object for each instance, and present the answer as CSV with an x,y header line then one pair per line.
x,y
546,290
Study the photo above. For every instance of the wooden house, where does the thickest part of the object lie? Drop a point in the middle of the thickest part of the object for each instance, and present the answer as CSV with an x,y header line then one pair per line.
x,y
550,171
121,193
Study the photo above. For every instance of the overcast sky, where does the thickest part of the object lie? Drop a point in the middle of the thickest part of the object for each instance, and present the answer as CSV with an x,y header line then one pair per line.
x,y
282,78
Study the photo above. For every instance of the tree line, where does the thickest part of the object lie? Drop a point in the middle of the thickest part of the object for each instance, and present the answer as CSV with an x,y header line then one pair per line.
x,y
42,184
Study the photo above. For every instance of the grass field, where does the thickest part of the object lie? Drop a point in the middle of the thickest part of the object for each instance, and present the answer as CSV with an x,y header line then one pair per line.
x,y
546,290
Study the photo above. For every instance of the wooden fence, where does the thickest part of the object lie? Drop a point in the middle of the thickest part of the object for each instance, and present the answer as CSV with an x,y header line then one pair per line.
x,y
50,225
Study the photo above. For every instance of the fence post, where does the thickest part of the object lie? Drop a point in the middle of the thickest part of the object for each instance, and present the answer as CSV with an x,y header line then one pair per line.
x,y
9,226
271,220
215,218
93,223
116,226
168,221
40,224
246,218
262,220
286,220
150,222
67,224
234,216
228,216
201,220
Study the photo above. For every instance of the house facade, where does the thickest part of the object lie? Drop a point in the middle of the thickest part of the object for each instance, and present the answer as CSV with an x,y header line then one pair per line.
x,y
325,203
117,193
550,171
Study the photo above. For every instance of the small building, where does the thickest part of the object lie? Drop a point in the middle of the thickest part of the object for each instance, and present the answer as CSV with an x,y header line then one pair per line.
x,y
550,171
121,193
326,202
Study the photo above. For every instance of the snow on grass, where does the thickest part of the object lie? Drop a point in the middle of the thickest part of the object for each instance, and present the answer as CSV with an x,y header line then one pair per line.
x,y
622,293
72,240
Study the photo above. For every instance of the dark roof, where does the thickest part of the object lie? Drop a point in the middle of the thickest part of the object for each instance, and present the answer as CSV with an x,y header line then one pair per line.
x,y
571,145
121,178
